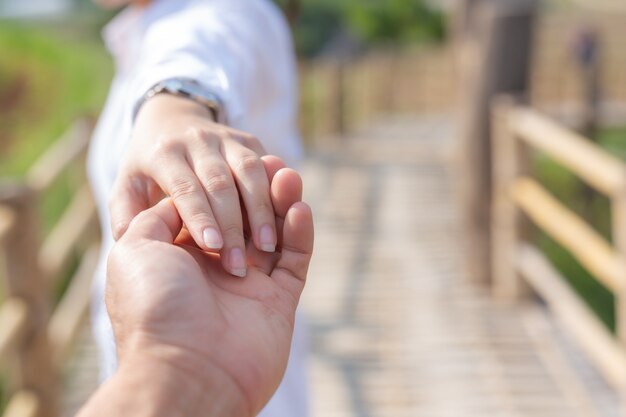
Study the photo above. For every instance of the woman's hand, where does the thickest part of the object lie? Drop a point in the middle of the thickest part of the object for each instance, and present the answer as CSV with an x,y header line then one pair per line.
x,y
214,175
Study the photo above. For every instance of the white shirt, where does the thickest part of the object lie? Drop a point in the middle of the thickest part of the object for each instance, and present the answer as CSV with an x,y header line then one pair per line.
x,y
239,49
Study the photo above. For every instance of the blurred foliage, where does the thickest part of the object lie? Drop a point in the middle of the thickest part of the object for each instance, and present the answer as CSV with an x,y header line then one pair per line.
x,y
373,22
395,20
47,79
570,190
49,75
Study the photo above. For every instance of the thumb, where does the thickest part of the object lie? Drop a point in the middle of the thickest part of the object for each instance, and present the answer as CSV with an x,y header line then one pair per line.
x,y
161,223
126,202
296,249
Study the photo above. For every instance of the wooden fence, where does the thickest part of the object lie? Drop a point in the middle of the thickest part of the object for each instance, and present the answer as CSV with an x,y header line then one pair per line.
x,y
337,96
35,332
340,95
517,265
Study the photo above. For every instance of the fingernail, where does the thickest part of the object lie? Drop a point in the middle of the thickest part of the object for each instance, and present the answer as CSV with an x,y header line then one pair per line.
x,y
267,238
237,262
212,238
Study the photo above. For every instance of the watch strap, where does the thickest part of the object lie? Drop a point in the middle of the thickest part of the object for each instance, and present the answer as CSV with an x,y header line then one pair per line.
x,y
189,89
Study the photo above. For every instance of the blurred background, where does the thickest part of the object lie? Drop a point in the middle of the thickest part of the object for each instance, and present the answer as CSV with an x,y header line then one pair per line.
x,y
420,304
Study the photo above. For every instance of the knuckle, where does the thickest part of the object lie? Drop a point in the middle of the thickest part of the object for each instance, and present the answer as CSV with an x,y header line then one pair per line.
x,y
200,218
166,145
252,140
263,206
216,181
183,188
260,212
196,132
202,134
249,164
232,231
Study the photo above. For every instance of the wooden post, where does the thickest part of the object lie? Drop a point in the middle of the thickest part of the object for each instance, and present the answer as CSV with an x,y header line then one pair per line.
x,y
338,118
619,238
508,225
36,372
461,19
500,63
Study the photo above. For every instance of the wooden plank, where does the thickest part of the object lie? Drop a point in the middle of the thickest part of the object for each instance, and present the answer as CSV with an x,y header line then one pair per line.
x,y
619,237
23,404
13,325
508,224
594,338
548,349
7,217
73,307
595,166
77,221
496,60
33,364
591,249
67,149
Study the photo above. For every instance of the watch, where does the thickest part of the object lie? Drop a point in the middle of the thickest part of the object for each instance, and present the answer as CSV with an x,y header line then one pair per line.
x,y
190,89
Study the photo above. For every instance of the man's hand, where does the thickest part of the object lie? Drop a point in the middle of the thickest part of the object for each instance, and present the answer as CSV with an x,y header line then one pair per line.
x,y
172,304
210,171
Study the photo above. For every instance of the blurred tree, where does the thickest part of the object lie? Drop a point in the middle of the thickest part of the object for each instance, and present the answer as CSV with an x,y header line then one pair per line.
x,y
376,21
319,22
371,21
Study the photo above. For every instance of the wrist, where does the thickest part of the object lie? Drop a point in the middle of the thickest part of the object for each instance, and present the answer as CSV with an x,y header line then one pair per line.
x,y
190,90
164,105
161,383
183,383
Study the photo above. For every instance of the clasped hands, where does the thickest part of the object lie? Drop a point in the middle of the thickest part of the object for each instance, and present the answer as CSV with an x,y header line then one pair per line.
x,y
192,339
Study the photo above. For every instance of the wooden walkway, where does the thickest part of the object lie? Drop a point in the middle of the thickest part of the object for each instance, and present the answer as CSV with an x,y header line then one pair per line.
x,y
395,330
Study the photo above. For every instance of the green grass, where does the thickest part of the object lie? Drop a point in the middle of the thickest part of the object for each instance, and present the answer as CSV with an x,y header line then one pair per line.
x,y
59,77
593,207
49,76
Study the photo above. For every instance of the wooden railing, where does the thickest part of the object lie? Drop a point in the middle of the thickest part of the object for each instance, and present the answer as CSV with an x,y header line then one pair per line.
x,y
518,265
338,95
35,335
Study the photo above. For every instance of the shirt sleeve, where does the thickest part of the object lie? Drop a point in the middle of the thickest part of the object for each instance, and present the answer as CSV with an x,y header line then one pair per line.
x,y
211,42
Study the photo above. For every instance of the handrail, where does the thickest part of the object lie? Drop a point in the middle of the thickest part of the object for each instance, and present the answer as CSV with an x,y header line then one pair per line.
x,y
517,264
7,217
65,150
13,324
23,404
74,223
67,317
593,336
37,346
591,249
597,167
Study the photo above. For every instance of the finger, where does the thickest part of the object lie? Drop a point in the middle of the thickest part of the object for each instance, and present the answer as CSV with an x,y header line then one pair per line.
x,y
286,190
161,223
272,165
249,142
291,269
127,200
254,189
181,184
220,189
